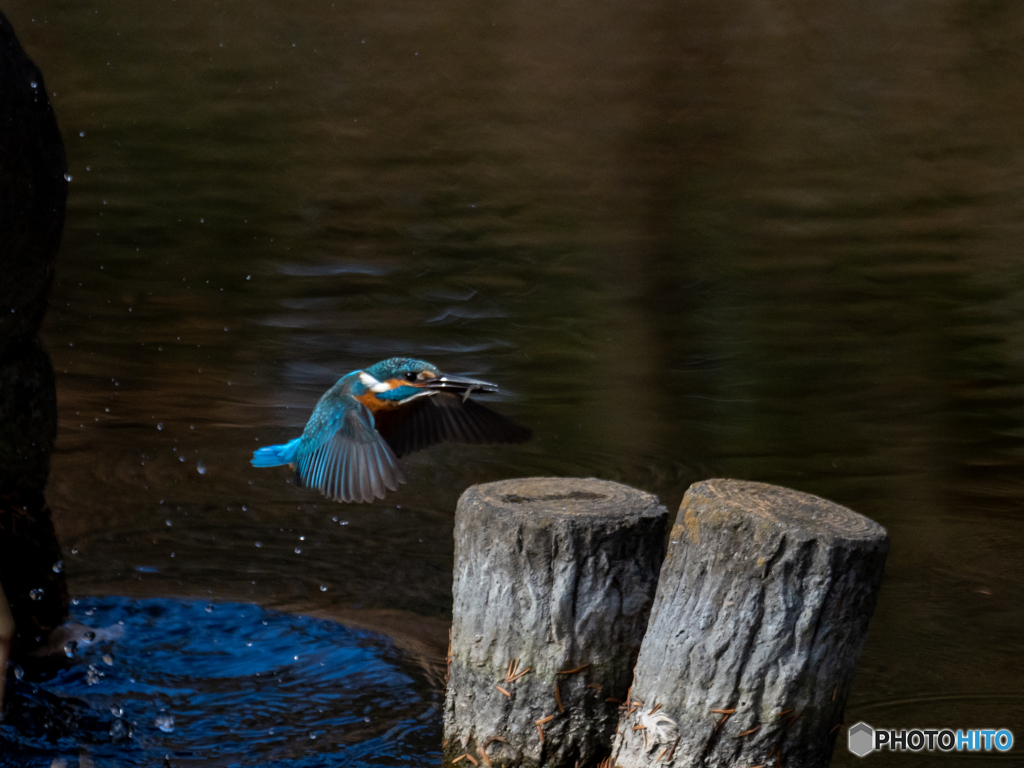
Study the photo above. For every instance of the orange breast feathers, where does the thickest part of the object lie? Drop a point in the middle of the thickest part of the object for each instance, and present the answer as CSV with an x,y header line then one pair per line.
x,y
375,404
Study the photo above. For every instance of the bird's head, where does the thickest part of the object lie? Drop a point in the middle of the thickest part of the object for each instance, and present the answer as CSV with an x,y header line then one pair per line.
x,y
400,379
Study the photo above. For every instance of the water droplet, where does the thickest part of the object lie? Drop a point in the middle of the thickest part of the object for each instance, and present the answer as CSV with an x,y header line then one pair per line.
x,y
209,608
323,588
164,722
82,134
116,710
58,566
259,544
160,426
36,594
168,523
118,730
248,277
94,675
69,648
109,661
298,551
67,177
18,672
200,467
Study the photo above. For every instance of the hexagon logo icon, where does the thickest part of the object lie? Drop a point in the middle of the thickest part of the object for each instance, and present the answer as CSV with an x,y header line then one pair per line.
x,y
862,739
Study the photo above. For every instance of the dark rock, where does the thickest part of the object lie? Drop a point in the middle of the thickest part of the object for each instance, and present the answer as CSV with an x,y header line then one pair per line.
x,y
33,190
31,569
28,417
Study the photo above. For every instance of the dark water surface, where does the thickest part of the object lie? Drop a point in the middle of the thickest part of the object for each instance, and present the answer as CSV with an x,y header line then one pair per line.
x,y
781,242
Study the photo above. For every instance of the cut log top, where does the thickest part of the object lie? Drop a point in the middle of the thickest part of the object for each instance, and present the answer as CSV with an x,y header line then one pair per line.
x,y
558,496
800,515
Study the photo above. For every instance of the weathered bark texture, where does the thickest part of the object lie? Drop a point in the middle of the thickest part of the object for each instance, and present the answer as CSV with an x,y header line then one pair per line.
x,y
761,612
557,574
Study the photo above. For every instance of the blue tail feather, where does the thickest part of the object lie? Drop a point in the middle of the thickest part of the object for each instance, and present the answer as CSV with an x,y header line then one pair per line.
x,y
276,455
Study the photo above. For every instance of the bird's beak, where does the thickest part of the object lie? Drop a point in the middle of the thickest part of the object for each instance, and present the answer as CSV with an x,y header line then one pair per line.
x,y
459,385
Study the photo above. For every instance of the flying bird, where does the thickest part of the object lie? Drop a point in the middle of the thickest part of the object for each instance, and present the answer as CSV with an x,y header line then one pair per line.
x,y
350,447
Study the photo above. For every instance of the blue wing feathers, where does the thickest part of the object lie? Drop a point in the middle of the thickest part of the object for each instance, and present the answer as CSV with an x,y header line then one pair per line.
x,y
343,457
365,486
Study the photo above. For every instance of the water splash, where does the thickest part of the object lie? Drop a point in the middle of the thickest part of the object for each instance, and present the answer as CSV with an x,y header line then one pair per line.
x,y
178,677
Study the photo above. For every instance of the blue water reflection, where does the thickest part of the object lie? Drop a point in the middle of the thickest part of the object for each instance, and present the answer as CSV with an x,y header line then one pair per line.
x,y
222,684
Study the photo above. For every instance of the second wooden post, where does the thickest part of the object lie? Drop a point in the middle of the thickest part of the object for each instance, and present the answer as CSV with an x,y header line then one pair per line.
x,y
760,616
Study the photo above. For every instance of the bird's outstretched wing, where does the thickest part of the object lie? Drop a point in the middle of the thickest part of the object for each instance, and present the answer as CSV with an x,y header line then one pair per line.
x,y
427,421
352,462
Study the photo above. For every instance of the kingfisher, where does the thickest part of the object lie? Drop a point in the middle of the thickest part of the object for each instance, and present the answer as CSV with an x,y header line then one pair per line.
x,y
350,447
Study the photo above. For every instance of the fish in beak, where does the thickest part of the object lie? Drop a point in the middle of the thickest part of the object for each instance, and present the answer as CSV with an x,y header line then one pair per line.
x,y
459,385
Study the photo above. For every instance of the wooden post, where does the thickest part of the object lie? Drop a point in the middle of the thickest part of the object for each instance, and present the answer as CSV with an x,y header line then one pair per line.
x,y
554,581
761,612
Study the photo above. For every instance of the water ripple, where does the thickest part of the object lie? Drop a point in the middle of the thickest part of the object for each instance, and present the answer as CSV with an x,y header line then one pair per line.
x,y
290,691
334,268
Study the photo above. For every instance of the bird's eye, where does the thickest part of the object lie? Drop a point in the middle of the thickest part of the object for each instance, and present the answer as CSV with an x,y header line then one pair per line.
x,y
410,376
